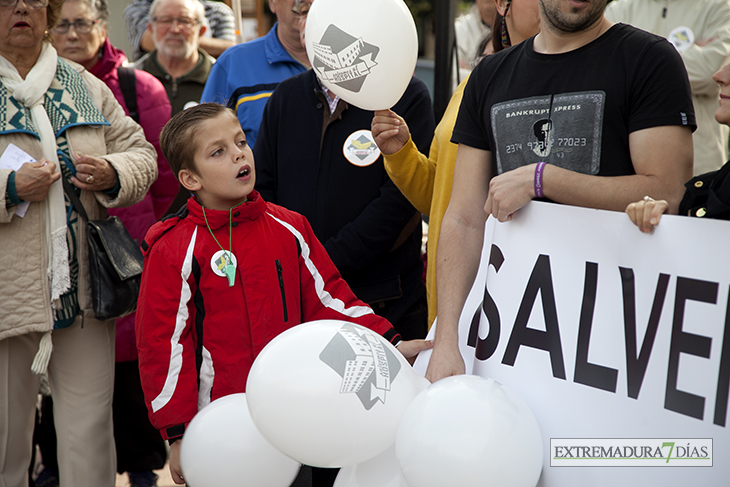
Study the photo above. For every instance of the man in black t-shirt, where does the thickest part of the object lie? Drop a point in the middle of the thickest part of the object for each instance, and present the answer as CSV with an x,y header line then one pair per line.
x,y
586,113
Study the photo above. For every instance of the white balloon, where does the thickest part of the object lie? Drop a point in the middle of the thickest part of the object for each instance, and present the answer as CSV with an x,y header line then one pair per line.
x,y
381,471
330,393
469,431
222,446
364,51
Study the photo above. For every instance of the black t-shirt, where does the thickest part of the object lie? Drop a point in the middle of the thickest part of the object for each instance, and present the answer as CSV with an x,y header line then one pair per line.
x,y
574,110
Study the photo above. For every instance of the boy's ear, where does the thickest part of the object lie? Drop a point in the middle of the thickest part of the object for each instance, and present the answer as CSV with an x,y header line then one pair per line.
x,y
189,180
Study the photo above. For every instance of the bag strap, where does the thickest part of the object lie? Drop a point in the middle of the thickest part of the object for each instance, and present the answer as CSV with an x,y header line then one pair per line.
x,y
128,85
75,201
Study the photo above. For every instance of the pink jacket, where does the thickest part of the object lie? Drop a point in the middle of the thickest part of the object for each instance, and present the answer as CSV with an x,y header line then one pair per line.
x,y
154,112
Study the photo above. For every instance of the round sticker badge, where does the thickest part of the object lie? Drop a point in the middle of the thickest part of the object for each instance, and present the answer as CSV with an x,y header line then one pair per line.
x,y
682,38
221,266
360,148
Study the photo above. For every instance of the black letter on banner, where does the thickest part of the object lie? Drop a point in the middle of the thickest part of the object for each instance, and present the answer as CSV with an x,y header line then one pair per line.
x,y
676,400
549,340
723,378
485,348
587,373
636,363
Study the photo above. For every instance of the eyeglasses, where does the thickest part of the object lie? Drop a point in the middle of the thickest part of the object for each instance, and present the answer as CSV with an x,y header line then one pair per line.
x,y
301,9
82,26
167,22
30,3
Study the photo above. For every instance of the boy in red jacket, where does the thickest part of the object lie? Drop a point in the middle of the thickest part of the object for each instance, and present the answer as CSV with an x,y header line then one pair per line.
x,y
226,275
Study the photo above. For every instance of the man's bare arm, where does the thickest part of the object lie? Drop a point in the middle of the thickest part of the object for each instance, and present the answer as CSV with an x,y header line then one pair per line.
x,y
662,158
459,248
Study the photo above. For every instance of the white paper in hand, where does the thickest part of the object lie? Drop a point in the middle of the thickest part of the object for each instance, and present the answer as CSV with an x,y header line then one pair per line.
x,y
13,158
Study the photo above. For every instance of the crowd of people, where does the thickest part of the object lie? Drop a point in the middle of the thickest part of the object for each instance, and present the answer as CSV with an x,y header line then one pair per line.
x,y
231,166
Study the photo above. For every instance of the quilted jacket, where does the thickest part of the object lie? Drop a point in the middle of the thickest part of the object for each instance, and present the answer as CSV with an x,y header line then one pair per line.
x,y
24,290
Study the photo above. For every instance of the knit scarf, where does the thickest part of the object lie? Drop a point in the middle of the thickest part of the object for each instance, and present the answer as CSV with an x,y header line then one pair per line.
x,y
30,92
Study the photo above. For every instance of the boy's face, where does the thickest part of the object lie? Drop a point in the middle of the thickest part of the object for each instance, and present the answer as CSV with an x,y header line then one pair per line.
x,y
224,170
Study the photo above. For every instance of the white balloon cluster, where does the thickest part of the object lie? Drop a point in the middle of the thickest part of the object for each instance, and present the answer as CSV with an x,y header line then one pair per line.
x,y
330,394
335,394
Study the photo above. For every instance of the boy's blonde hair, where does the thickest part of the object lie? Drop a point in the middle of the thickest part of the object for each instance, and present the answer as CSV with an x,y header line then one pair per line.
x,y
178,137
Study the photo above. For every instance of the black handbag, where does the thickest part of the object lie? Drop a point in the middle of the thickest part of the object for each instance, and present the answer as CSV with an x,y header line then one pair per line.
x,y
115,263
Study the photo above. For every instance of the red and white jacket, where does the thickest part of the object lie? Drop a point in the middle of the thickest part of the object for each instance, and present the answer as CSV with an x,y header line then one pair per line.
x,y
196,336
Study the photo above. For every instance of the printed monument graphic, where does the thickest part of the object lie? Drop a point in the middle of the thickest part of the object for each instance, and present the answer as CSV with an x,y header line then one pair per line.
x,y
366,366
343,59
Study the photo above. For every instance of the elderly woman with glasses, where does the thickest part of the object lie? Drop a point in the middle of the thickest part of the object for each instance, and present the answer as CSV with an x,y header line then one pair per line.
x,y
81,36
68,125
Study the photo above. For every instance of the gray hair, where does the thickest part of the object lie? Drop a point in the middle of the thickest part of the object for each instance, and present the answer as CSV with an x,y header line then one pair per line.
x,y
197,7
99,7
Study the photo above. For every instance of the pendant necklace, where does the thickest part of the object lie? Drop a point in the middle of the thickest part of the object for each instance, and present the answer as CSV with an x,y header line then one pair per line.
x,y
229,269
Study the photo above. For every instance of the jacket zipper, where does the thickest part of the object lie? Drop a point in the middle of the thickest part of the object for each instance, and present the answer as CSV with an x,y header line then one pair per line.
x,y
280,272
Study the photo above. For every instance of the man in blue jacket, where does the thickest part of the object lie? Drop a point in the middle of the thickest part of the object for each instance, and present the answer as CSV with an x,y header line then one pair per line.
x,y
245,75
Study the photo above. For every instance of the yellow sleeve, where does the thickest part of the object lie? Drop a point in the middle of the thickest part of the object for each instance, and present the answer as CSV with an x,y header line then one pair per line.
x,y
414,174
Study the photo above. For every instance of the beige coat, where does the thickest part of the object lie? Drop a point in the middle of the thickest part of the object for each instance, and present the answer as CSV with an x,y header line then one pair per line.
x,y
24,288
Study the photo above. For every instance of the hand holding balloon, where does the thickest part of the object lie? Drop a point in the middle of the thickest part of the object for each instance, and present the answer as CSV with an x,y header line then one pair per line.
x,y
411,348
390,131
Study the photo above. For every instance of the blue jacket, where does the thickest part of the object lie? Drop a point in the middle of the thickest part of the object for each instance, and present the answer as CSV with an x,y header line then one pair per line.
x,y
245,76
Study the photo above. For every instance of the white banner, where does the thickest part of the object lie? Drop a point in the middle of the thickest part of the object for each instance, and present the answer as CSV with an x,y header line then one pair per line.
x,y
608,333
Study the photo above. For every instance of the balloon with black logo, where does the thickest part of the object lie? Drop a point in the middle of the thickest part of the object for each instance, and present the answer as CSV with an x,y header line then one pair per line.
x,y
221,447
364,52
469,431
330,393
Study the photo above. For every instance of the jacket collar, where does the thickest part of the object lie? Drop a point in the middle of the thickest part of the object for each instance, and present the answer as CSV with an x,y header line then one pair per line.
x,y
275,51
111,59
199,73
248,211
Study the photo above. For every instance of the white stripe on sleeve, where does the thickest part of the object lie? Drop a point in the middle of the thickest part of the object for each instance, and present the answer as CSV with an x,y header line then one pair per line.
x,y
176,350
207,376
325,297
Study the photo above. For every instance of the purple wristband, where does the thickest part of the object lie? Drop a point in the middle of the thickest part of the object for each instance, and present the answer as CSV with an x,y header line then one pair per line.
x,y
538,179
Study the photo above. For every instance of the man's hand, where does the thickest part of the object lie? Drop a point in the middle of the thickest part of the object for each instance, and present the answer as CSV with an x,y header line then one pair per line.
x,y
510,191
445,361
390,131
175,470
34,179
411,348
646,213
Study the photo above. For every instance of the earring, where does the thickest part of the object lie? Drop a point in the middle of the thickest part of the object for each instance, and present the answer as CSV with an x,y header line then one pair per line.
x,y
504,34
